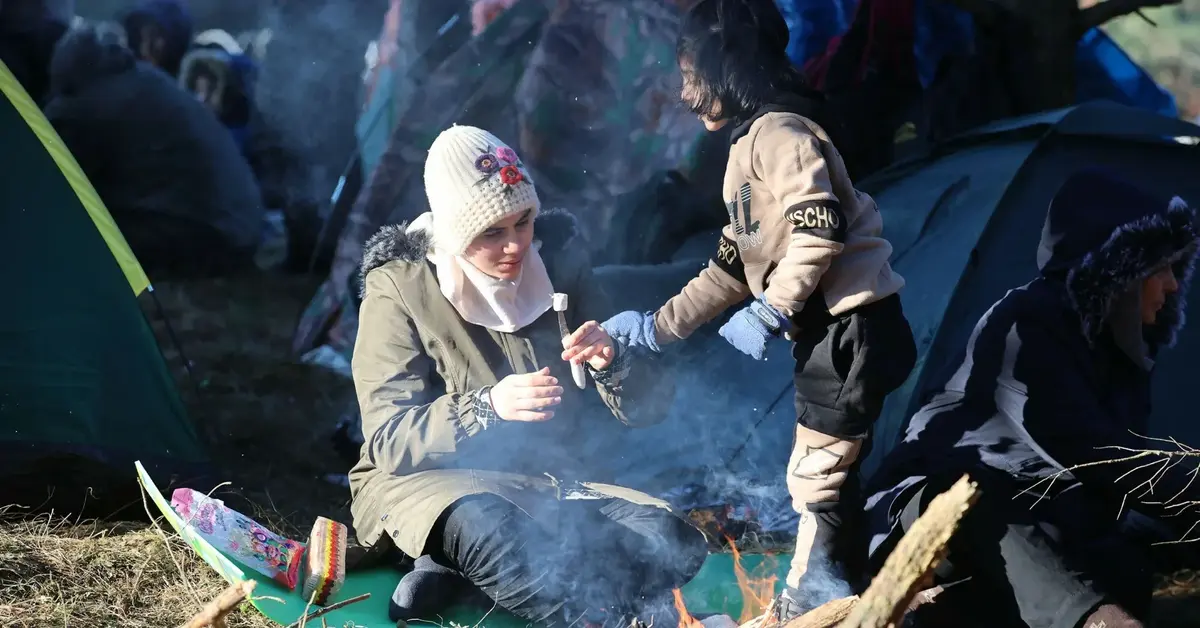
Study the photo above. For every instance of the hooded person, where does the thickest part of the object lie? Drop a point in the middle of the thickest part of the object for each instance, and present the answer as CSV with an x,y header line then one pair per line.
x,y
1054,382
482,459
169,173
220,75
160,33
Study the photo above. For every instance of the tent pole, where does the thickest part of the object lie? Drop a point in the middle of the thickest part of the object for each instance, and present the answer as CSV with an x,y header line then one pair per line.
x,y
162,313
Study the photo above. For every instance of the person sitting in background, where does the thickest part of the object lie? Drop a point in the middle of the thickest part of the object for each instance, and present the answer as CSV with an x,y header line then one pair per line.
x,y
221,76
159,33
477,443
172,178
1043,412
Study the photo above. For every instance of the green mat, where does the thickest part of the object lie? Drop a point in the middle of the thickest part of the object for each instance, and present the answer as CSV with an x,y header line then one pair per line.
x,y
713,590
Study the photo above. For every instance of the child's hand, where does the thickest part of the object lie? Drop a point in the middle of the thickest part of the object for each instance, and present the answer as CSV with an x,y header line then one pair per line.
x,y
750,329
591,344
633,329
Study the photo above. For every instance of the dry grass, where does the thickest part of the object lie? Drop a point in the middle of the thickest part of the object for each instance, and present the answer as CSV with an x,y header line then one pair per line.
x,y
60,573
266,421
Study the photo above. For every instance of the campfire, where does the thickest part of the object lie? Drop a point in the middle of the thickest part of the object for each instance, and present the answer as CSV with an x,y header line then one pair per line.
x,y
756,591
894,591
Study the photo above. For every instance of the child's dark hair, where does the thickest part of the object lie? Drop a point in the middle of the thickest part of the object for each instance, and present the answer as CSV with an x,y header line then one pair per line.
x,y
735,51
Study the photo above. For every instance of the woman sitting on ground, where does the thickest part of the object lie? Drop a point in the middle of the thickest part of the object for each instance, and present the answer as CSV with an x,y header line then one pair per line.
x,y
476,437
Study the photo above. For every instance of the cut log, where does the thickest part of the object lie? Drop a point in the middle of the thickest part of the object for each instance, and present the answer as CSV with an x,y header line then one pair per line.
x,y
884,603
214,613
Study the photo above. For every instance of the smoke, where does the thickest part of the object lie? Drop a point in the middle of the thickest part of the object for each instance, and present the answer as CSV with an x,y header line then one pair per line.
x,y
310,84
824,581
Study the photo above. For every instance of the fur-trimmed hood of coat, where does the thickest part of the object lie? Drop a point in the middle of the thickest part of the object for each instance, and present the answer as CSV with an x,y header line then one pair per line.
x,y
1102,235
554,228
216,62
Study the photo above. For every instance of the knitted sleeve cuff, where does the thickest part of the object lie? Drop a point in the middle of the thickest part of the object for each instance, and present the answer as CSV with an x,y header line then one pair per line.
x,y
474,413
617,370
484,412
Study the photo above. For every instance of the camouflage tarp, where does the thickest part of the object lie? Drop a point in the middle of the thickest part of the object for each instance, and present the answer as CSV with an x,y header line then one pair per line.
x,y
599,112
473,86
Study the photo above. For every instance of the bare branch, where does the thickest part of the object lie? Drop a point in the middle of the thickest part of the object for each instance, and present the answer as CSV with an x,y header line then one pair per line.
x,y
1164,460
1099,14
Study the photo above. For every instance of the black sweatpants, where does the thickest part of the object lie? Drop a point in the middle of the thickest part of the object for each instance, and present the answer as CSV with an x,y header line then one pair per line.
x,y
607,558
1025,571
845,367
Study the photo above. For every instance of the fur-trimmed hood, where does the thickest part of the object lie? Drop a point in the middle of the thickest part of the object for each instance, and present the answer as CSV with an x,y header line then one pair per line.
x,y
554,228
1103,234
217,62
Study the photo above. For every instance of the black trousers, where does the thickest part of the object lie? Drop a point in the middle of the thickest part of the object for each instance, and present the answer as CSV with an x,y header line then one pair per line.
x,y
607,558
845,367
1026,571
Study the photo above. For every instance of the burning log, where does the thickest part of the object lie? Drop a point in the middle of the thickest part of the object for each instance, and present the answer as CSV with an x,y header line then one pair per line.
x,y
913,561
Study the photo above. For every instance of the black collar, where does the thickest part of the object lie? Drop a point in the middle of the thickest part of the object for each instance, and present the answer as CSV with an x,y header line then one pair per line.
x,y
809,104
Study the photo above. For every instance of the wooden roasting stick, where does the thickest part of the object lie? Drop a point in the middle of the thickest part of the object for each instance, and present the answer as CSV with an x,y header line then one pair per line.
x,y
214,613
884,603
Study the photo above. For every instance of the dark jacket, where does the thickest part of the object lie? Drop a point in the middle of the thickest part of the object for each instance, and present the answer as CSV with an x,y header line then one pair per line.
x,y
1045,384
150,149
27,39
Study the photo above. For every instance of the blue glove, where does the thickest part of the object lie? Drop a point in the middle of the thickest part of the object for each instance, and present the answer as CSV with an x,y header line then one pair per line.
x,y
750,329
633,329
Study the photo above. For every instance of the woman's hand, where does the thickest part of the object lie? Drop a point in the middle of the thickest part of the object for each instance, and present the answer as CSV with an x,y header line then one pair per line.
x,y
528,397
591,344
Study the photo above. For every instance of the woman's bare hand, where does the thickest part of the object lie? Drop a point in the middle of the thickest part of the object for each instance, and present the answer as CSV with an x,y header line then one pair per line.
x,y
591,344
526,397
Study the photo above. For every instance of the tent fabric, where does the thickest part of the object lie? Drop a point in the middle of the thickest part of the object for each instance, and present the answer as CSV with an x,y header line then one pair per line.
x,y
52,144
965,226
84,390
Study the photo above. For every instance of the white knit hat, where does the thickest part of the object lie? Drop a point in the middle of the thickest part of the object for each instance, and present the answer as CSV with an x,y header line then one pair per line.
x,y
473,180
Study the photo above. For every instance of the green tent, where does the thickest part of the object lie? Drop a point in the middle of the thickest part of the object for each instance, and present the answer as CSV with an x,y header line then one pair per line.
x,y
84,390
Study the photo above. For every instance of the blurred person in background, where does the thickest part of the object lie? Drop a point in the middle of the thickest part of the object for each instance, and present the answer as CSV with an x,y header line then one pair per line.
x,y
159,32
170,174
29,29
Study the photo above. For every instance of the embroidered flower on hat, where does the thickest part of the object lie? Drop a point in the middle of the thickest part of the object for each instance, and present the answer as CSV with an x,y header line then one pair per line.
x,y
511,175
507,155
487,164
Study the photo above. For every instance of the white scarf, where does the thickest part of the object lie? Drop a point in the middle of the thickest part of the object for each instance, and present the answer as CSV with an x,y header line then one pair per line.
x,y
502,305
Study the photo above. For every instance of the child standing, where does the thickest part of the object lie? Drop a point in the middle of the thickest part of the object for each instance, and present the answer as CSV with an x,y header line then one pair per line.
x,y
807,246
